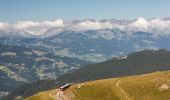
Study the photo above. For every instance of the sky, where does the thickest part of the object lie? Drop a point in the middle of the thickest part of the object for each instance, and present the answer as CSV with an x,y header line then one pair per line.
x,y
40,10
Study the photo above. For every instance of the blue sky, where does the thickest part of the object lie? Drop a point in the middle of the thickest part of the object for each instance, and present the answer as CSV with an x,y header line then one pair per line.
x,y
38,10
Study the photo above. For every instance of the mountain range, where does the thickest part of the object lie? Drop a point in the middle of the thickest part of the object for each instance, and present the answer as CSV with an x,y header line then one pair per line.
x,y
89,40
31,51
142,62
92,45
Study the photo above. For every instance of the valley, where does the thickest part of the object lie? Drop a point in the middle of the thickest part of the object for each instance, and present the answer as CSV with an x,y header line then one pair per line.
x,y
20,65
137,63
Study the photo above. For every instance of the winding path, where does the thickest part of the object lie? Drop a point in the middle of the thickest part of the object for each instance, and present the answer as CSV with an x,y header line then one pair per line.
x,y
58,95
122,91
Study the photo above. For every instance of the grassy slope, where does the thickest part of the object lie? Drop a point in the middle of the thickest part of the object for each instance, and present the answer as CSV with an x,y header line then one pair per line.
x,y
154,86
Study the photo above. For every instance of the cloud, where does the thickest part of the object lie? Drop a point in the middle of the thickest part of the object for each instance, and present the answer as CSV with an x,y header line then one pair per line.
x,y
4,25
56,23
25,25
43,24
89,25
140,24
155,26
37,28
94,25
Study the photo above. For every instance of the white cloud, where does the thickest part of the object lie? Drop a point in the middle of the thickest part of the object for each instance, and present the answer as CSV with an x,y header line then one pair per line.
x,y
25,25
89,25
45,24
35,28
4,25
56,23
156,26
140,24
